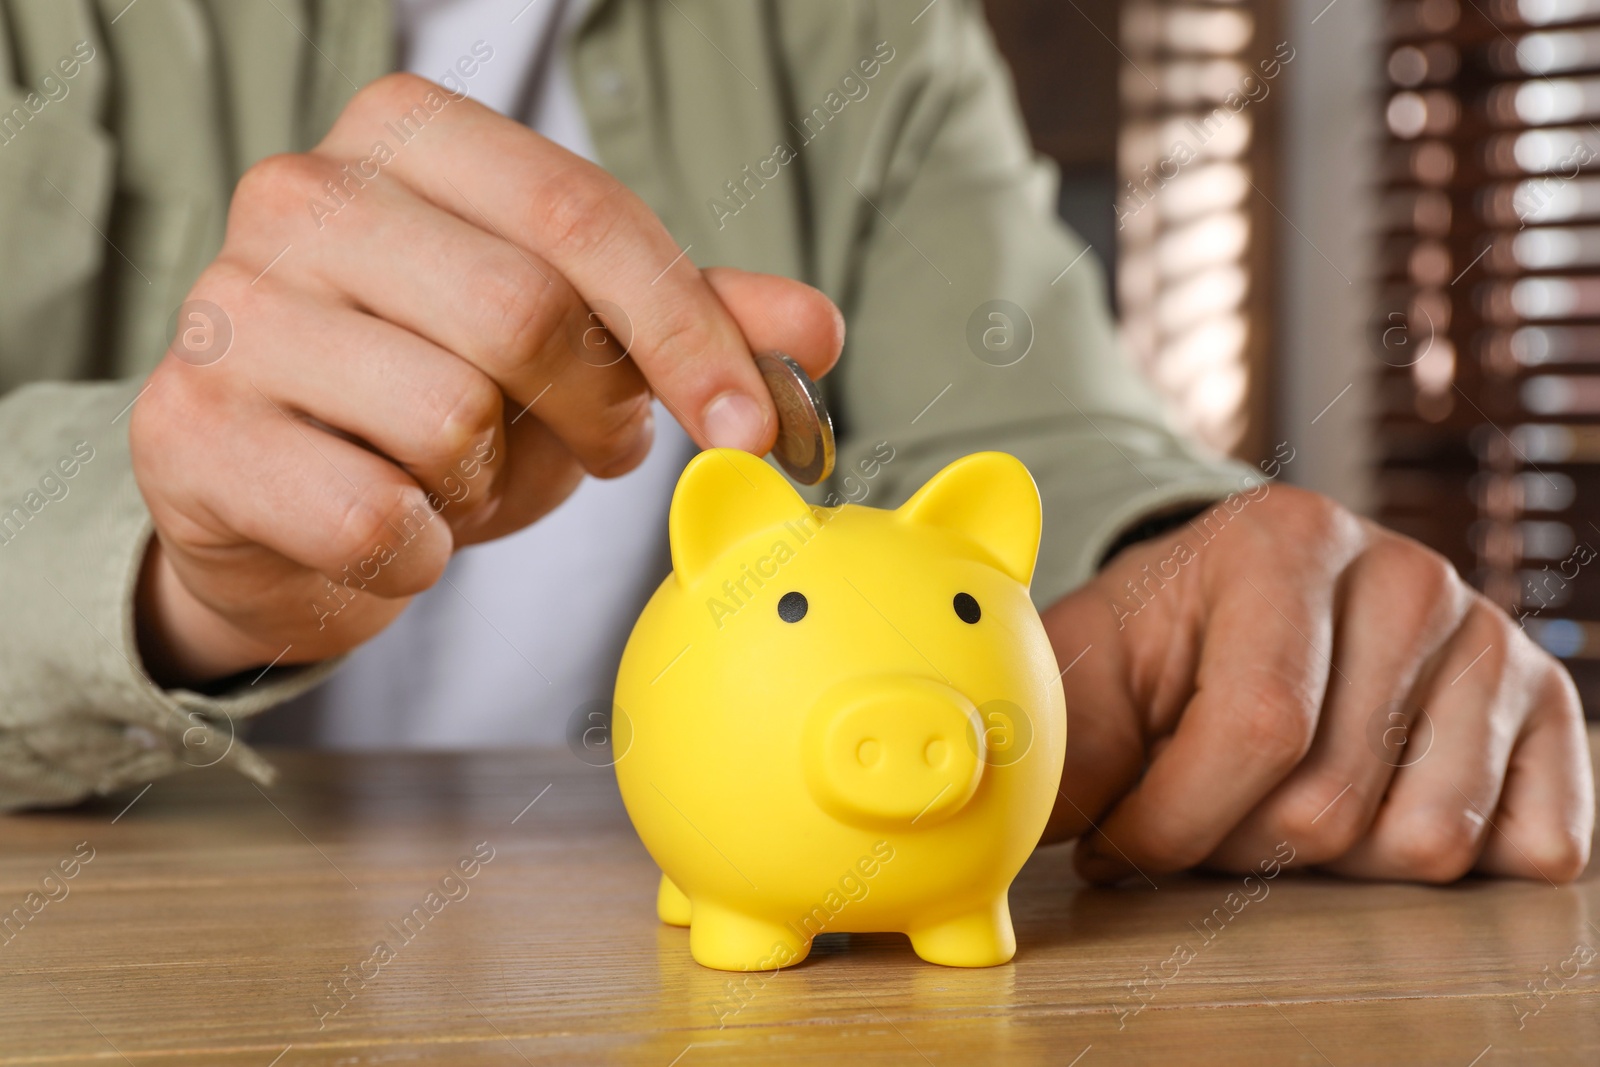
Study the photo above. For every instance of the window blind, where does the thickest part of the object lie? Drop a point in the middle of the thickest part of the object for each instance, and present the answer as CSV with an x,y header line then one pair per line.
x,y
1487,329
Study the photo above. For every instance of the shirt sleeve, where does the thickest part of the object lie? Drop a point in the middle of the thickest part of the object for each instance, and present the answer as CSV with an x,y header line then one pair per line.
x,y
78,713
977,320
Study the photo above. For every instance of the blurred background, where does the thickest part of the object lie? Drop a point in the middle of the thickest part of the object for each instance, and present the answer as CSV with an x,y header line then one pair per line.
x,y
1365,233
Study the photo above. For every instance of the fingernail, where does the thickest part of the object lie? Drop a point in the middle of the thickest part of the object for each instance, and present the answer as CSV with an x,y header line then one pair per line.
x,y
733,420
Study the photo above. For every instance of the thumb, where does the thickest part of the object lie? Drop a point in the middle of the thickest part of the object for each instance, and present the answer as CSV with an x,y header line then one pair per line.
x,y
1105,744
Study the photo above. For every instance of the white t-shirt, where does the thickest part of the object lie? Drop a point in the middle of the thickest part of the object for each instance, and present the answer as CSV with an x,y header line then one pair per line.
x,y
525,630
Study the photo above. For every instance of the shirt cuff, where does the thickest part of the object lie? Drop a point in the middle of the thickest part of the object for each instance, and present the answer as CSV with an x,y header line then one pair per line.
x,y
79,715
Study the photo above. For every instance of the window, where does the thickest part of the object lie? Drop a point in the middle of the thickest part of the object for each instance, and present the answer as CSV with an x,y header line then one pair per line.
x,y
1161,116
1194,212
1487,329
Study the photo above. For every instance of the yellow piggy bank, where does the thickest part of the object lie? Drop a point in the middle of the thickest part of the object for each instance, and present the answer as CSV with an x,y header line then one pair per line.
x,y
842,720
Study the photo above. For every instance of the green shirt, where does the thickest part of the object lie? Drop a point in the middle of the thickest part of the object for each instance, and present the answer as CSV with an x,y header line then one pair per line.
x,y
873,150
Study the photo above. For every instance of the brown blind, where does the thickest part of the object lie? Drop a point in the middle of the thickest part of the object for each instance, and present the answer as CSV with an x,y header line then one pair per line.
x,y
1194,211
1487,330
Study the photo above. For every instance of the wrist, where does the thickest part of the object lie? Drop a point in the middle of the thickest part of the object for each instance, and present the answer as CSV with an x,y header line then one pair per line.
x,y
1151,527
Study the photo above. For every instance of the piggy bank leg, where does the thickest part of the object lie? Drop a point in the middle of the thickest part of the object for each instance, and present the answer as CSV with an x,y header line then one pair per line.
x,y
981,938
671,905
730,941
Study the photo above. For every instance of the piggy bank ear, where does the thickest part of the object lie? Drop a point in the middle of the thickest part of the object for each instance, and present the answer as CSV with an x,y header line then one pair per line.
x,y
990,499
724,496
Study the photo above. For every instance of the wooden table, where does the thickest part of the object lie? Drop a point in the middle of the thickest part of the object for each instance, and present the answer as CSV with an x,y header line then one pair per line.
x,y
212,917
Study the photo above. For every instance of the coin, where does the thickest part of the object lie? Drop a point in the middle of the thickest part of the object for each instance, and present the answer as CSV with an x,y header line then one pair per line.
x,y
805,433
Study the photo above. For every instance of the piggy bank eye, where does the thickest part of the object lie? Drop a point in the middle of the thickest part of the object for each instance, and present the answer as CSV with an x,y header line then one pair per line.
x,y
967,609
792,607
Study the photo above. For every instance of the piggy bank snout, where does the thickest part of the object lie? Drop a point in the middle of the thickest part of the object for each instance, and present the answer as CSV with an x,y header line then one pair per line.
x,y
893,752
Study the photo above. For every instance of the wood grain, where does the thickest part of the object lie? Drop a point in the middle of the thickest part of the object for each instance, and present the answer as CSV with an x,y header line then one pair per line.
x,y
212,916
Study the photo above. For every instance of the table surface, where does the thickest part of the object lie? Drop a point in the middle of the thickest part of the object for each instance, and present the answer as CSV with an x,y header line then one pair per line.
x,y
207,926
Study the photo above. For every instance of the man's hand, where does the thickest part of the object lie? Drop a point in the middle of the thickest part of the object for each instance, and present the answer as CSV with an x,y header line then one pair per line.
x,y
1258,683
408,304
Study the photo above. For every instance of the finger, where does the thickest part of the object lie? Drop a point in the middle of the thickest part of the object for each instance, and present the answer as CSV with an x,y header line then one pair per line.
x,y
1260,684
473,294
1545,821
779,313
435,416
497,174
252,607
1435,820
1106,753
1398,604
539,474
316,499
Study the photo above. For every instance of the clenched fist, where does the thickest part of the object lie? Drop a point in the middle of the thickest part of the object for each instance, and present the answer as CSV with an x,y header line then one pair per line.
x,y
419,360
1248,676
